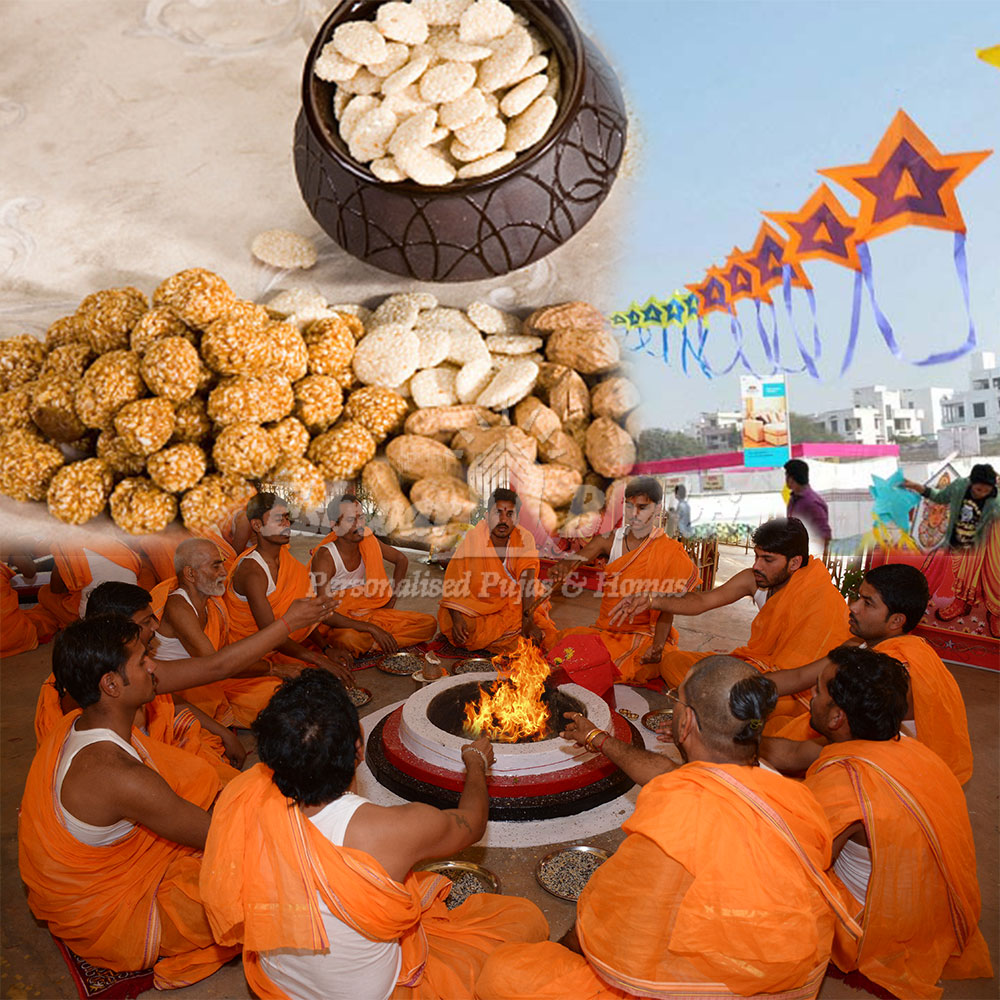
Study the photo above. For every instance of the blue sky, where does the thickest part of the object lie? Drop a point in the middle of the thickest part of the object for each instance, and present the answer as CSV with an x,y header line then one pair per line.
x,y
736,105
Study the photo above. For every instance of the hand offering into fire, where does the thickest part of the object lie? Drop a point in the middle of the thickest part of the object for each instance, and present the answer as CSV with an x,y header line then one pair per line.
x,y
482,749
578,727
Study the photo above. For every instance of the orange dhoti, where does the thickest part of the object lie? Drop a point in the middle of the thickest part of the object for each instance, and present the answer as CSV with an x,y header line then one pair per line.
x,y
129,904
707,902
487,592
922,905
17,630
659,565
367,604
266,865
801,622
234,701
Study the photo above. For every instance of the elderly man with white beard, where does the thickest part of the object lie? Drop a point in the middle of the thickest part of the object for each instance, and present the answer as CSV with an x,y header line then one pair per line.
x,y
193,622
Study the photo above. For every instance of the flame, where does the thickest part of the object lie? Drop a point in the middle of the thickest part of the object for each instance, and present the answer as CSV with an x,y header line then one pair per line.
x,y
511,709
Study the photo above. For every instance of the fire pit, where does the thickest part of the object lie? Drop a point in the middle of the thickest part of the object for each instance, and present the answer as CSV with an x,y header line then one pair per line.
x,y
415,752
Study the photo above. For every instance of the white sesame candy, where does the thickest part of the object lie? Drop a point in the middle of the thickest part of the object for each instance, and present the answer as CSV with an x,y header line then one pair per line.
x,y
434,387
483,20
442,11
363,82
332,66
352,113
463,110
387,356
489,319
370,137
284,249
359,41
512,343
536,64
425,166
472,379
414,131
385,169
487,164
518,98
509,386
447,82
529,126
434,344
405,102
458,51
401,309
341,98
408,73
402,22
297,300
509,56
397,55
481,137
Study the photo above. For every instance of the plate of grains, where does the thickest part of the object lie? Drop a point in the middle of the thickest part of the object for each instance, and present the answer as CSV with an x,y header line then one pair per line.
x,y
474,665
359,696
565,872
466,877
401,663
653,720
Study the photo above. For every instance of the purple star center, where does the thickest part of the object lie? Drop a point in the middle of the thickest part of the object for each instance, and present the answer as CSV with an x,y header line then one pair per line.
x,y
740,279
811,233
886,183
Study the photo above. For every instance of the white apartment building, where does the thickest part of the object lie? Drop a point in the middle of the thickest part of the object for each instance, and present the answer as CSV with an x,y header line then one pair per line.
x,y
880,415
979,405
717,431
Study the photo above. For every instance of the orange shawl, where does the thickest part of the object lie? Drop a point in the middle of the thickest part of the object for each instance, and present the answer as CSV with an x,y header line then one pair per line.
x,y
71,561
712,899
659,565
102,900
938,707
803,621
359,602
292,583
922,907
264,865
17,631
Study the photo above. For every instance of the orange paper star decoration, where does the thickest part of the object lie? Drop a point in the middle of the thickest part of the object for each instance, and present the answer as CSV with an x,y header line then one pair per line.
x,y
742,278
907,182
769,253
713,292
821,228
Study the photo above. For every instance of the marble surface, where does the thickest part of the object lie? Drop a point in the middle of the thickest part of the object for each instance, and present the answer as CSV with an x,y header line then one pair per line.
x,y
142,138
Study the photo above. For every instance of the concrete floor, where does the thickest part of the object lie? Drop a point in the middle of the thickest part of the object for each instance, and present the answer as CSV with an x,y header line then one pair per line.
x,y
30,965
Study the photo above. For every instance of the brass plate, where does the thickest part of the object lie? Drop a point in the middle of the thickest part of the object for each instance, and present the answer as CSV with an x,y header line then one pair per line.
x,y
401,663
466,876
359,696
474,665
653,720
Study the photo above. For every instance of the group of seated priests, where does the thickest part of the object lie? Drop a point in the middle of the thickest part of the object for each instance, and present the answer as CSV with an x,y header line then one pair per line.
x,y
820,786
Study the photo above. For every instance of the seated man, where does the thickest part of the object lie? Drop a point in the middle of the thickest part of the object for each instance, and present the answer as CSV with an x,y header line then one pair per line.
x,y
640,557
263,583
112,821
890,603
903,844
801,613
193,623
183,726
317,881
18,632
720,882
348,565
490,581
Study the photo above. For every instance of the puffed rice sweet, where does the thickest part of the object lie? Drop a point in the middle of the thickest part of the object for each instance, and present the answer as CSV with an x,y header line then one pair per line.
x,y
141,508
244,449
79,492
341,453
379,410
196,295
177,468
27,465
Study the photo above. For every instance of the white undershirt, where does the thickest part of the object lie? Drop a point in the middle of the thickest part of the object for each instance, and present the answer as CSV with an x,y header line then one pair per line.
x,y
87,833
259,559
101,571
170,647
854,868
760,597
353,968
344,578
617,544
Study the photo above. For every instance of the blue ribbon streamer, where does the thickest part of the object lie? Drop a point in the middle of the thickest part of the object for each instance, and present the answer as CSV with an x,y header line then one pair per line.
x,y
808,361
852,336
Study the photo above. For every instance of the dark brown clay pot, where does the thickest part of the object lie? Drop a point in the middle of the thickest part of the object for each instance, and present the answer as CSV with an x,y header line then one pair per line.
x,y
478,228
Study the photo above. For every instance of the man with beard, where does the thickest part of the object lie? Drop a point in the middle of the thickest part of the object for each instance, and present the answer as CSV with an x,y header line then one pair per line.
x,y
801,613
193,622
264,582
903,846
719,885
640,558
112,821
349,565
490,581
890,603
